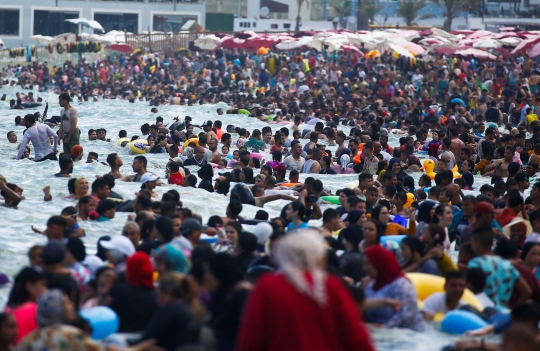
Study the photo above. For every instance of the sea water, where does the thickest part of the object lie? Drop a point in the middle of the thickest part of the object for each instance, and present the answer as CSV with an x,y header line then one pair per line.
x,y
16,235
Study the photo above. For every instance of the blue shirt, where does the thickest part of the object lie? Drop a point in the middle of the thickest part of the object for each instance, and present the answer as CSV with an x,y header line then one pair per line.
x,y
302,225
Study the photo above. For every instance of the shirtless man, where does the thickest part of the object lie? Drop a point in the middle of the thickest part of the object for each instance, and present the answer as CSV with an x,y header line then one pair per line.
x,y
533,81
207,126
340,139
447,155
68,132
115,162
213,147
500,166
261,199
139,167
446,182
456,144
535,156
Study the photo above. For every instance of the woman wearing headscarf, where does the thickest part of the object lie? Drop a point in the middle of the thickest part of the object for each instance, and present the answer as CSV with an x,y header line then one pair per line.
x,y
262,231
395,166
390,283
54,314
468,177
134,301
168,257
381,214
343,161
425,216
301,307
206,173
81,189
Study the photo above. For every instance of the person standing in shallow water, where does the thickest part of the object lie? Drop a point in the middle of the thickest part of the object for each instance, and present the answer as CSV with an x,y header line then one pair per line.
x,y
68,133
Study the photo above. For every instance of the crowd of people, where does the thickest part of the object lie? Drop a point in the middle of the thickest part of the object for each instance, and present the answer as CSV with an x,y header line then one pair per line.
x,y
265,283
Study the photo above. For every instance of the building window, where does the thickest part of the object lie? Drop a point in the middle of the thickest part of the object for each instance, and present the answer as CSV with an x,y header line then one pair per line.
x,y
118,21
286,25
254,24
274,26
9,21
52,23
172,23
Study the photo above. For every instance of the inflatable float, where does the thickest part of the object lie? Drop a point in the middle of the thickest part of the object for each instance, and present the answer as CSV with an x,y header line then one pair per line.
x,y
30,104
189,141
137,146
459,322
332,199
103,320
123,142
243,112
429,168
290,185
427,284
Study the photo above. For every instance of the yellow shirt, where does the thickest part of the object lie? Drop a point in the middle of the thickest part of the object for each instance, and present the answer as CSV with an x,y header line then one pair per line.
x,y
531,118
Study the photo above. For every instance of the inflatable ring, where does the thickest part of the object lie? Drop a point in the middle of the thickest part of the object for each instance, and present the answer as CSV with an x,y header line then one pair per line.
x,y
459,322
192,140
289,185
392,238
104,321
135,149
11,53
331,199
427,284
60,48
243,112
30,104
256,155
456,172
410,199
123,142
352,185
51,48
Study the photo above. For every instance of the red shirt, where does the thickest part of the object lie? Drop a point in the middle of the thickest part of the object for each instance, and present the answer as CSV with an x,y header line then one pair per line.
x,y
278,317
176,178
275,147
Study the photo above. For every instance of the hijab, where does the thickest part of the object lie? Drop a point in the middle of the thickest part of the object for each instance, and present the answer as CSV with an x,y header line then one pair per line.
x,y
401,174
139,270
262,231
77,188
424,210
345,151
386,265
51,308
433,151
171,256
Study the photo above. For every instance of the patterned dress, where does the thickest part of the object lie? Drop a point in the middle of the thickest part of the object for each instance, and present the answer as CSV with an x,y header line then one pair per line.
x,y
59,337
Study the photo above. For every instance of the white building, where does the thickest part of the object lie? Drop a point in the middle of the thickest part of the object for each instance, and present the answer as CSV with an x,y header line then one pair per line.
x,y
22,18
277,16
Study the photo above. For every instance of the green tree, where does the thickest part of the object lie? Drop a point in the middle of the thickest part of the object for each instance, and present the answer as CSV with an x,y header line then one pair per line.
x,y
451,8
342,9
408,9
300,3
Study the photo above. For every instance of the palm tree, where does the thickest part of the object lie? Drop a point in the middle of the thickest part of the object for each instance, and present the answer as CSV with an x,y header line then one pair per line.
x,y
408,9
342,9
451,8
300,3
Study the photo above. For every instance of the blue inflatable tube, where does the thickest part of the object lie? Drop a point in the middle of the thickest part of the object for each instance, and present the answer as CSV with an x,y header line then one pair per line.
x,y
103,320
210,240
30,104
394,238
459,322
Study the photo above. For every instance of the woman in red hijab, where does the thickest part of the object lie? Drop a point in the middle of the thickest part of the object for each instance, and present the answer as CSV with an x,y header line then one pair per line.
x,y
390,283
301,308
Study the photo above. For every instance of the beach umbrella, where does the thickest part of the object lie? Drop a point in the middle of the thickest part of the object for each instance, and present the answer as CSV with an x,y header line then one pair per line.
x,y
400,50
443,50
64,38
535,50
412,47
486,44
510,41
288,45
207,42
122,47
86,23
476,53
254,43
41,39
524,45
231,43
351,48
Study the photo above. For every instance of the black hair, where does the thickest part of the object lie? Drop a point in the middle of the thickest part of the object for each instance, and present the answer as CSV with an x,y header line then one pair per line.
x,y
234,207
18,294
477,278
164,225
105,205
247,242
64,161
99,184
300,208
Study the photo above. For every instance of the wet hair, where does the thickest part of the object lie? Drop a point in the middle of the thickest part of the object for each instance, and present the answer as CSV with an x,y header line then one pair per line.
x,y
300,208
18,294
105,205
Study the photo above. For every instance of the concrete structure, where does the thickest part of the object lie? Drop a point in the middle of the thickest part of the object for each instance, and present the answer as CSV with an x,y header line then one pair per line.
x,y
22,18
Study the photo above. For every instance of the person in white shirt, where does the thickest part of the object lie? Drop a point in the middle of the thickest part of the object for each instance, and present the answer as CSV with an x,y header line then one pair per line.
x,y
534,218
39,136
476,281
450,300
295,161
